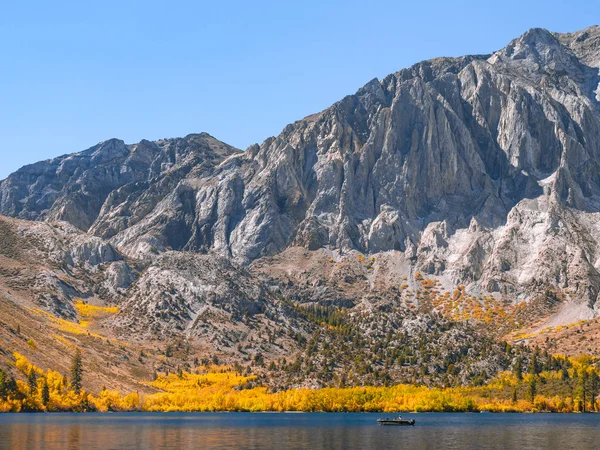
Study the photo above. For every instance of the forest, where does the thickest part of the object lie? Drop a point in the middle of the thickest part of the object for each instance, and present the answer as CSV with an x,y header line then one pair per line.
x,y
559,385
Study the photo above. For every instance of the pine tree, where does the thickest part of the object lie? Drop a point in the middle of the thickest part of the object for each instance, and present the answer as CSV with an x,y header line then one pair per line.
x,y
547,360
8,385
583,380
3,384
518,369
533,364
594,388
532,388
45,393
77,372
32,381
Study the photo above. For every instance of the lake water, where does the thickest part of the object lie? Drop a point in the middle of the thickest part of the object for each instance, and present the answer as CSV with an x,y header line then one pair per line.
x,y
301,431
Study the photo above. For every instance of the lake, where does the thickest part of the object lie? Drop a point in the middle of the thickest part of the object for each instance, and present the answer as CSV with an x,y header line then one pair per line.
x,y
310,430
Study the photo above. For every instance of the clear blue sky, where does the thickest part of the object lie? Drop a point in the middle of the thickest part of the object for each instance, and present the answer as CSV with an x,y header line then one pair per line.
x,y
75,73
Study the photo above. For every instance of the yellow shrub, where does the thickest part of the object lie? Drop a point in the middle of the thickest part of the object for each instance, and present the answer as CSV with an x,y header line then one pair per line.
x,y
94,312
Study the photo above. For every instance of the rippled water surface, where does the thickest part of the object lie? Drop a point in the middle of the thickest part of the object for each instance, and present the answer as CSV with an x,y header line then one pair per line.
x,y
311,431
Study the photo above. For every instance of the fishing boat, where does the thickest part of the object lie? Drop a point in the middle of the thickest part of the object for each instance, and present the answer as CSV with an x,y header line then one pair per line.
x,y
398,421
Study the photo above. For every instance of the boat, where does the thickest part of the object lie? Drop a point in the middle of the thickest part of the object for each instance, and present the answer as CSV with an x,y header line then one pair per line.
x,y
398,421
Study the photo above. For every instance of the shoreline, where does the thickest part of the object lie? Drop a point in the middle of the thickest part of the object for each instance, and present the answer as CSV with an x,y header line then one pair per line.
x,y
294,412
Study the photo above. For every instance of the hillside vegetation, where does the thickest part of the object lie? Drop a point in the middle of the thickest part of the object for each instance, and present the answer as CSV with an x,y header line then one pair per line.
x,y
567,385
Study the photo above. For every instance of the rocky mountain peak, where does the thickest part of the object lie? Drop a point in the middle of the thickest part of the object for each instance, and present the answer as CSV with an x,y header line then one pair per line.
x,y
538,52
107,151
585,44
74,187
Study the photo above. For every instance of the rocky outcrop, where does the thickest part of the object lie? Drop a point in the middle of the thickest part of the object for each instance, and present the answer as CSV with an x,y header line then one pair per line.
x,y
55,264
199,296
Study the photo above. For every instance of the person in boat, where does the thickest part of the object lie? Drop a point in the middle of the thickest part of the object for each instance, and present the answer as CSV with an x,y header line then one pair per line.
x,y
396,421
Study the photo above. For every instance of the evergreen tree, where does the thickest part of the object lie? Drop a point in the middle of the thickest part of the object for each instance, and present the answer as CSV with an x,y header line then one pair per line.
x,y
32,381
594,388
518,369
3,384
77,372
533,364
532,388
7,384
45,393
583,379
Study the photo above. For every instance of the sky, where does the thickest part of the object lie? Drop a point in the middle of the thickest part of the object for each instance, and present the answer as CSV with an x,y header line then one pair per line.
x,y
73,74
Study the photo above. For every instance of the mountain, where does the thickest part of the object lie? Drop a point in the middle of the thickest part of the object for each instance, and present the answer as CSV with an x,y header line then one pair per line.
x,y
61,289
477,175
83,187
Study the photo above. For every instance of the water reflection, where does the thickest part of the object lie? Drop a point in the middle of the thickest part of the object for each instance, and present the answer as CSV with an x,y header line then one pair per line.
x,y
260,431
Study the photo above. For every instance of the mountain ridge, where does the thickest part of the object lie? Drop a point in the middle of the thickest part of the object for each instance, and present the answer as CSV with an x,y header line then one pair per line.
x,y
477,175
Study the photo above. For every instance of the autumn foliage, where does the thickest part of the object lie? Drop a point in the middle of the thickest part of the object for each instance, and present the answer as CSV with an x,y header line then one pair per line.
x,y
222,389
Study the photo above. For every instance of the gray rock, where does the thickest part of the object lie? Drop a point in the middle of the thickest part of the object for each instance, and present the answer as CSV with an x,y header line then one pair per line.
x,y
111,179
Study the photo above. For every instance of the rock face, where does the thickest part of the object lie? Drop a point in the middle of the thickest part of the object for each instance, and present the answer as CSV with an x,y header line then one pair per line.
x,y
78,188
198,295
482,170
53,265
